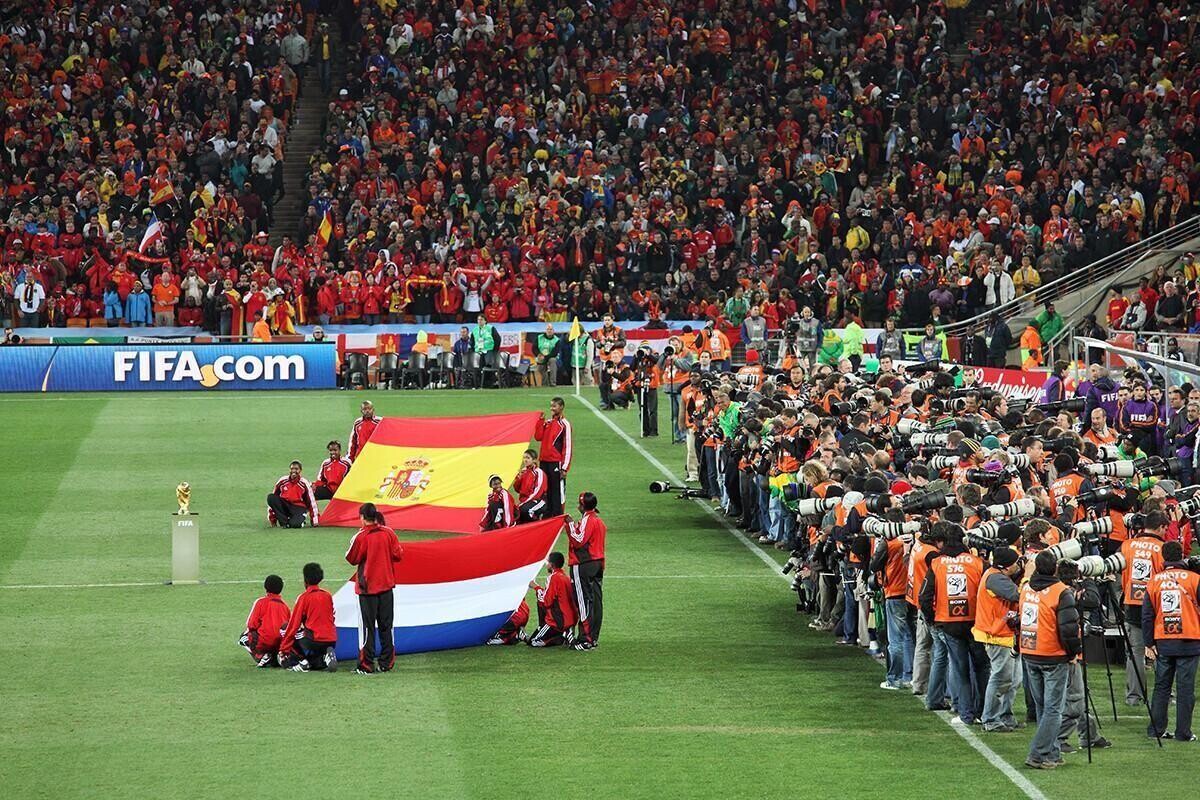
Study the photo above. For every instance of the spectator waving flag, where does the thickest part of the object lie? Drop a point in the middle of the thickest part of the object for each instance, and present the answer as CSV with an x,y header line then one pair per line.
x,y
453,592
432,474
325,230
154,233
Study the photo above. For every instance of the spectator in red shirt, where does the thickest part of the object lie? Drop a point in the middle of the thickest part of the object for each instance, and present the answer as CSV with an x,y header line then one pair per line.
x,y
264,627
556,608
375,551
308,641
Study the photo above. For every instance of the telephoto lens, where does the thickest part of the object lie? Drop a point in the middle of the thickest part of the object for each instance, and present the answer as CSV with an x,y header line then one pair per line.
x,y
1020,461
1108,452
1191,506
1096,566
1093,528
874,526
812,506
1070,549
977,541
1017,508
929,439
914,503
1112,469
658,487
907,427
940,463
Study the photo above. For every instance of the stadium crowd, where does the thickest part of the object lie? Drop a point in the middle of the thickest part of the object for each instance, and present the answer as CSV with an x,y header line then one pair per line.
x,y
651,161
142,154
970,541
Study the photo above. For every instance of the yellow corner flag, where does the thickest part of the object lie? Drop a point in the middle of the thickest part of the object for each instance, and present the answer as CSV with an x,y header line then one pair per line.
x,y
576,330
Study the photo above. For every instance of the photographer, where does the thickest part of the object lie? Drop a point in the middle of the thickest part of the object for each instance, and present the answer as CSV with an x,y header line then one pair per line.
x,y
675,367
1049,640
693,405
1143,554
995,613
1171,622
1076,715
890,563
646,380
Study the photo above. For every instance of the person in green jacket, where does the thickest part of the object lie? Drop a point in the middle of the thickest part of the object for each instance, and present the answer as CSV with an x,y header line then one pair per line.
x,y
737,307
483,336
831,349
852,343
1050,324
548,344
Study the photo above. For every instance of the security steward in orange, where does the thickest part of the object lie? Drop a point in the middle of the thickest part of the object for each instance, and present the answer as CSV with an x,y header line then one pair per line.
x,y
1049,639
1143,560
1171,622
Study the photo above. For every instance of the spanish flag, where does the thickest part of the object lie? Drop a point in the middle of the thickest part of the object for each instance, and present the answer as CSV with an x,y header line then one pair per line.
x,y
432,474
325,230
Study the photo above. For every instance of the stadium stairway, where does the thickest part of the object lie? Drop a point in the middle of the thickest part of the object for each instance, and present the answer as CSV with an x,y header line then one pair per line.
x,y
303,140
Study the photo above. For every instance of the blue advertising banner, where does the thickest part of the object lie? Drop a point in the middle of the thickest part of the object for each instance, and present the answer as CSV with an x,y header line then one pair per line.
x,y
169,367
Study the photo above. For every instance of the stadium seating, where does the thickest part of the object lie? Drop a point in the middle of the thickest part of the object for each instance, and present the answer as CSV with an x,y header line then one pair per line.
x,y
534,162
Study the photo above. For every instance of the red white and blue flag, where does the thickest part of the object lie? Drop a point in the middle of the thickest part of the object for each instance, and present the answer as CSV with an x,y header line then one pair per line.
x,y
154,232
454,592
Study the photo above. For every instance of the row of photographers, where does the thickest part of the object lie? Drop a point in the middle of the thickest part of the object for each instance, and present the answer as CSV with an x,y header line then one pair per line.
x,y
915,503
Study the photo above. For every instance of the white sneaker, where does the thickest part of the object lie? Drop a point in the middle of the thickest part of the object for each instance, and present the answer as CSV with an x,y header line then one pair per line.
x,y
302,667
265,661
495,640
891,687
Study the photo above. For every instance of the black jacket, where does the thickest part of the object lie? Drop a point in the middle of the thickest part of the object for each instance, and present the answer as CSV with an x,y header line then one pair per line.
x,y
1067,622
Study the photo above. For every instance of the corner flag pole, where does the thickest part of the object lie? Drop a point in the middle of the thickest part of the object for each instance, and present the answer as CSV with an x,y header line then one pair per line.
x,y
573,338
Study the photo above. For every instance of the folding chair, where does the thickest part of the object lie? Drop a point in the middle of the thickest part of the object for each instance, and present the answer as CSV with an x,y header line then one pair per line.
x,y
354,370
387,365
491,366
416,369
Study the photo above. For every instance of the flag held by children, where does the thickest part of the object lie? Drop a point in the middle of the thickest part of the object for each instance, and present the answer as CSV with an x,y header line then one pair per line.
x,y
431,474
454,592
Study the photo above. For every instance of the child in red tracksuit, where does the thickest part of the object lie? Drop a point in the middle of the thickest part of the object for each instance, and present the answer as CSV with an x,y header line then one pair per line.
x,y
556,608
501,511
530,486
513,631
310,636
266,623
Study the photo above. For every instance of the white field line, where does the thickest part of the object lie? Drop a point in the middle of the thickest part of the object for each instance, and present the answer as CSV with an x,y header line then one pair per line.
x,y
141,584
993,758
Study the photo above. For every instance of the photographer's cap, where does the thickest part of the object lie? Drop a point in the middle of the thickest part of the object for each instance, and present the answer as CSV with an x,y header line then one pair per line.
x,y
751,356
990,442
968,447
1004,557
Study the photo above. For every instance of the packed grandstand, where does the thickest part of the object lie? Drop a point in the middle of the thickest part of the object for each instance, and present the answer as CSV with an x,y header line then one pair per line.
x,y
539,161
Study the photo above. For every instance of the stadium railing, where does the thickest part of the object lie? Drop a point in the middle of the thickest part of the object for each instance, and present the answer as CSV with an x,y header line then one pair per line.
x,y
1101,270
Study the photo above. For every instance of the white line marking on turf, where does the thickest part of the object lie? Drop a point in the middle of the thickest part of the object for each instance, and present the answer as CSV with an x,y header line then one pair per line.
x,y
993,758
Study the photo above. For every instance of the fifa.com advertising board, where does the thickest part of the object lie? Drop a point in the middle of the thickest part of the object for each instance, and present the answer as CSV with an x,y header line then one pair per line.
x,y
166,367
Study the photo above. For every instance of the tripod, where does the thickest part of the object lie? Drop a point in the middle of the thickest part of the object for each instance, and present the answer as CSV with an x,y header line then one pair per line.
x,y
1119,612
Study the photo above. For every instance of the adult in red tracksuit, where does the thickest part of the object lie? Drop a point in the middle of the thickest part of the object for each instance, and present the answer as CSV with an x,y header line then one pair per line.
x,y
555,455
530,486
266,623
364,426
556,607
308,641
291,499
375,550
587,569
333,471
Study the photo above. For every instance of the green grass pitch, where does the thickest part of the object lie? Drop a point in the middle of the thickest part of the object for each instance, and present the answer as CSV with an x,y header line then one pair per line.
x,y
707,684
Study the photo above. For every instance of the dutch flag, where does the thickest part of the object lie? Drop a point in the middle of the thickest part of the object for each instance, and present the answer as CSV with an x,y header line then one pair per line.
x,y
154,232
454,592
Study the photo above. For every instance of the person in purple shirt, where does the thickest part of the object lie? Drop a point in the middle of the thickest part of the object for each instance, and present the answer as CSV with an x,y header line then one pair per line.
x,y
1103,394
1139,416
1055,387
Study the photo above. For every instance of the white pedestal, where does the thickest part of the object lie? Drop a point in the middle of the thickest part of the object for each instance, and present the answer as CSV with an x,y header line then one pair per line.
x,y
185,549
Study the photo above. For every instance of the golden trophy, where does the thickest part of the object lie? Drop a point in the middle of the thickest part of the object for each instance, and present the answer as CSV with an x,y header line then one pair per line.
x,y
183,493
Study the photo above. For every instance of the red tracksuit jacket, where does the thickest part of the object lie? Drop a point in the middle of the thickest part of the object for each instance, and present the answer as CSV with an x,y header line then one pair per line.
x,y
313,610
530,484
297,493
268,617
332,473
555,601
360,434
555,436
587,539
374,550
501,512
